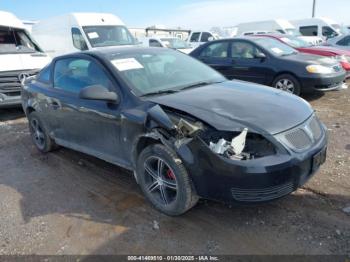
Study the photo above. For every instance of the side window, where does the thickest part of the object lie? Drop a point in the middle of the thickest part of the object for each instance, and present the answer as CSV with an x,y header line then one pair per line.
x,y
78,39
205,37
154,43
195,37
44,75
308,30
73,74
344,42
216,50
245,50
328,32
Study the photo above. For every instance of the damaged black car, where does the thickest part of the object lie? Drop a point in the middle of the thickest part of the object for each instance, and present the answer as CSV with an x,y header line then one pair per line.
x,y
183,129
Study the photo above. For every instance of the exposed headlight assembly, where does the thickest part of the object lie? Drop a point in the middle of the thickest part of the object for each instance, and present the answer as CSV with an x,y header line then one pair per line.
x,y
319,69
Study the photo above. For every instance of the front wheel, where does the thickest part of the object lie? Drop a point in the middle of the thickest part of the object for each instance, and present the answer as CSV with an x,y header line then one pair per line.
x,y
288,83
164,180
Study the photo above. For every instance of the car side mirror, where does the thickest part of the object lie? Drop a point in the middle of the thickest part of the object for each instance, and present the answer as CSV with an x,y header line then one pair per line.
x,y
98,92
260,55
211,38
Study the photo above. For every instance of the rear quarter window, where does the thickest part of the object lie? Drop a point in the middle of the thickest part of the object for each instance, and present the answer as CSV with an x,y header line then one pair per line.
x,y
219,50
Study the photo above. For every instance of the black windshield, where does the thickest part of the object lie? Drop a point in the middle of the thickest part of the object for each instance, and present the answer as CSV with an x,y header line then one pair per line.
x,y
16,41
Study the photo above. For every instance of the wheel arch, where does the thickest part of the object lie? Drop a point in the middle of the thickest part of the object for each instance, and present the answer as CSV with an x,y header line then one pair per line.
x,y
285,73
29,110
141,143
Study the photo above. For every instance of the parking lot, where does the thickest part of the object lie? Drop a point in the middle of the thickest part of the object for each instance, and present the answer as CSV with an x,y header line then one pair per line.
x,y
69,203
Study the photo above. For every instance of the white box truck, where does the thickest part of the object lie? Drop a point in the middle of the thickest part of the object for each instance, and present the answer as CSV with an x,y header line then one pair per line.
x,y
20,57
81,31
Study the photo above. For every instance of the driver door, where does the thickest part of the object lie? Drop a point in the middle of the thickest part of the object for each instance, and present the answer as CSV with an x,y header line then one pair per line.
x,y
89,126
246,65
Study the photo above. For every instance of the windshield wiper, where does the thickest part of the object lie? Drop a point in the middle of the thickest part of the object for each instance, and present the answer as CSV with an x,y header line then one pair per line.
x,y
198,84
160,92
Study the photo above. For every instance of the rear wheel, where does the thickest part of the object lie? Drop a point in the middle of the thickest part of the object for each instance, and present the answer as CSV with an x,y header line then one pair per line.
x,y
288,83
39,134
164,181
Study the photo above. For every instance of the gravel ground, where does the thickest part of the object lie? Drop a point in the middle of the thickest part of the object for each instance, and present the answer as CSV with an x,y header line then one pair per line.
x,y
70,203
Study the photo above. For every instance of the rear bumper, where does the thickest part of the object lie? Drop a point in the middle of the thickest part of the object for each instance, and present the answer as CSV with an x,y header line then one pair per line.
x,y
322,83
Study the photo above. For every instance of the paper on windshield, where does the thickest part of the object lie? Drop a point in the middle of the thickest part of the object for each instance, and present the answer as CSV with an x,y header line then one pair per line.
x,y
93,35
277,50
126,64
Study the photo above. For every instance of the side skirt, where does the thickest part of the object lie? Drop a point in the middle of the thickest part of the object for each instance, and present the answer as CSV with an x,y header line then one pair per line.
x,y
97,154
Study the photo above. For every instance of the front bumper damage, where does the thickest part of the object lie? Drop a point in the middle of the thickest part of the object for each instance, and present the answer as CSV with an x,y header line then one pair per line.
x,y
267,172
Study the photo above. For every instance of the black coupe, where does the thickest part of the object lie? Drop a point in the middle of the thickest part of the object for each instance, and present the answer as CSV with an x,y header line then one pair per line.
x,y
184,129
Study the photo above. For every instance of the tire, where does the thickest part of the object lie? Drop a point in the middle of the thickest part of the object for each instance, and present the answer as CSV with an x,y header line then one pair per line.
x,y
39,133
160,190
285,81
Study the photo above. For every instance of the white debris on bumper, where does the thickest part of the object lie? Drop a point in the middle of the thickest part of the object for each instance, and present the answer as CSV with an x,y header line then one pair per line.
x,y
233,150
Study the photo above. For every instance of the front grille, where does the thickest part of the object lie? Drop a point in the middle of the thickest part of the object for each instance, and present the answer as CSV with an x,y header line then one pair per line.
x,y
262,194
303,136
298,138
9,81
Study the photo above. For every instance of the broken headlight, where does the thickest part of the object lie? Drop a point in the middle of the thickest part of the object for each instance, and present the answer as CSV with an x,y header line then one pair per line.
x,y
238,145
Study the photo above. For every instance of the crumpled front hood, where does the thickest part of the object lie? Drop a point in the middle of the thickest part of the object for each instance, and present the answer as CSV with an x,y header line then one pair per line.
x,y
232,105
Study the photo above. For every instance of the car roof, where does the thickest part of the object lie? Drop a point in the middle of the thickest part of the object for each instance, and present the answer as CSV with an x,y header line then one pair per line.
x,y
108,51
105,52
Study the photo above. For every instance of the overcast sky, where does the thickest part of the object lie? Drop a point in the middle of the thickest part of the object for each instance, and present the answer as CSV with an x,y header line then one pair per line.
x,y
191,14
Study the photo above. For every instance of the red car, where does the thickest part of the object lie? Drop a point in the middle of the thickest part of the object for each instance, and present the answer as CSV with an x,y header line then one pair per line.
x,y
343,56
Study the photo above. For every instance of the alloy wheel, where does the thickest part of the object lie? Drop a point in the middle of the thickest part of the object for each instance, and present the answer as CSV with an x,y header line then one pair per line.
x,y
285,85
37,133
160,180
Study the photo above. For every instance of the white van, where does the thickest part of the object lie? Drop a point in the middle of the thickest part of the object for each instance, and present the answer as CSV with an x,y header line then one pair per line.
x,y
167,42
81,31
275,25
20,57
321,27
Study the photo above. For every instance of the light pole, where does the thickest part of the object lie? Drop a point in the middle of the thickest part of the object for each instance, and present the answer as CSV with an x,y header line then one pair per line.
x,y
313,8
